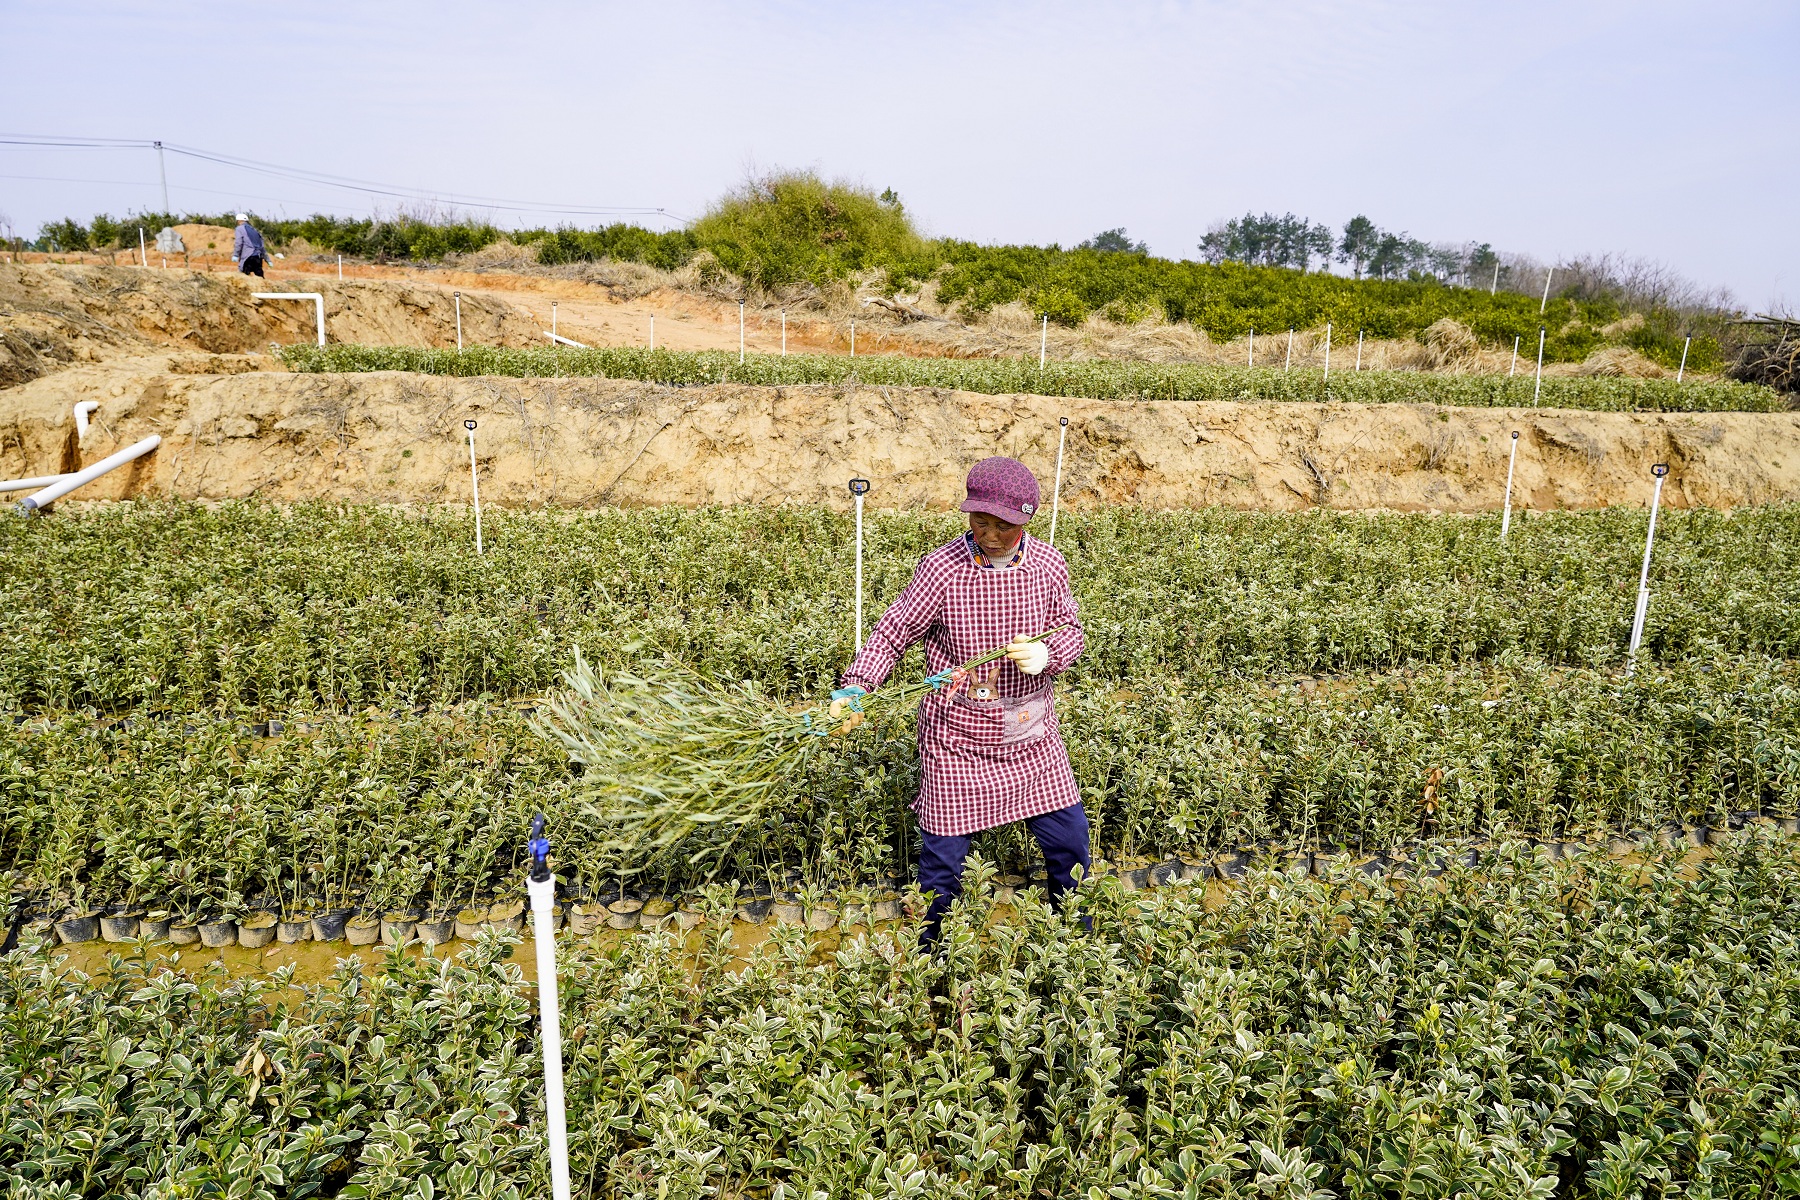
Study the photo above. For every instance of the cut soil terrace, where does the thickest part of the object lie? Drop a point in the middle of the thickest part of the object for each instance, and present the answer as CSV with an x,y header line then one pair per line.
x,y
183,354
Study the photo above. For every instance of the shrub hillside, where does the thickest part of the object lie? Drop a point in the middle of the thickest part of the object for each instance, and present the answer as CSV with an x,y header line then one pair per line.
x,y
1102,379
401,662
789,231
1524,1028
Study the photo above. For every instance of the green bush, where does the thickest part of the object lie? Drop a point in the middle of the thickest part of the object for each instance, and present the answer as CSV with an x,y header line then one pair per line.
x,y
627,243
1060,305
792,228
1100,379
1523,1028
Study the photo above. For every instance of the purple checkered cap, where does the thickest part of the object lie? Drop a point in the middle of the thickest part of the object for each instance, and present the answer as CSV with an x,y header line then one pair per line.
x,y
1002,487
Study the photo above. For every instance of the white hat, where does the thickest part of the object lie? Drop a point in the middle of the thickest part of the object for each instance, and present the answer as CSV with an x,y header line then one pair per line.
x,y
243,216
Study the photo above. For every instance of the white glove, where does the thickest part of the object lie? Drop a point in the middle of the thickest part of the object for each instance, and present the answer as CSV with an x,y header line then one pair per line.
x,y
1029,656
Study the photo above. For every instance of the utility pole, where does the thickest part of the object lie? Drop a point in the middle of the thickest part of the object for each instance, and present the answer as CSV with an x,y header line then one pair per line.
x,y
163,171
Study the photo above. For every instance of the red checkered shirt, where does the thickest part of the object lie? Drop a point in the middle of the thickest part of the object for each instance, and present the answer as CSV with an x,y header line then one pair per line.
x,y
994,761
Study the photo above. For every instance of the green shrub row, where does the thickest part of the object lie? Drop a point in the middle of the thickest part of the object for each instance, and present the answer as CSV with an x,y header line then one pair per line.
x,y
1101,380
1521,1029
398,809
184,606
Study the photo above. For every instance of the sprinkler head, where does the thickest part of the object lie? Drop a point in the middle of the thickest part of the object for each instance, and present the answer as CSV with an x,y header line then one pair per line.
x,y
469,425
1515,435
1659,469
1062,421
859,487
539,849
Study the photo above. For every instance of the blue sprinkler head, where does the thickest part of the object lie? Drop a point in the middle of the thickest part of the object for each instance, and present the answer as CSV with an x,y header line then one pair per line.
x,y
539,847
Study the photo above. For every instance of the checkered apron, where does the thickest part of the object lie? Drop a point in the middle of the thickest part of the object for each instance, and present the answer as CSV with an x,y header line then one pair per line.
x,y
990,755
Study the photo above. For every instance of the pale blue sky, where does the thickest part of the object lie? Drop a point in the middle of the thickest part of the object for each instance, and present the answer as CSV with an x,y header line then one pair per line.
x,y
1651,129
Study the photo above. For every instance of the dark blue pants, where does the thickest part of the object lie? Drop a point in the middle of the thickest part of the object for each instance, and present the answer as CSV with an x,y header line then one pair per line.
x,y
1062,836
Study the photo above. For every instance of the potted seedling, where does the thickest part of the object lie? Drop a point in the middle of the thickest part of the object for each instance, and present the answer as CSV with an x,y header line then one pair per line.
x,y
656,913
820,907
622,912
257,926
437,923
78,921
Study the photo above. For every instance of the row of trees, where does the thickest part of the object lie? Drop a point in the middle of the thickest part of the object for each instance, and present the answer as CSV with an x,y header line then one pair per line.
x,y
1366,248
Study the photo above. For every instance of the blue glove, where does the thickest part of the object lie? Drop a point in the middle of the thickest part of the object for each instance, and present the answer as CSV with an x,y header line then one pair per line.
x,y
846,698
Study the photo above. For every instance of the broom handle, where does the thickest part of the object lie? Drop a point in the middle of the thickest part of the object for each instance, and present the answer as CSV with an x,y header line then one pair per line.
x,y
991,655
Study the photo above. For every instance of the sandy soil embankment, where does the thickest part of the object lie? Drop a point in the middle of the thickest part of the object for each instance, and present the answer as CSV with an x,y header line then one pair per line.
x,y
389,437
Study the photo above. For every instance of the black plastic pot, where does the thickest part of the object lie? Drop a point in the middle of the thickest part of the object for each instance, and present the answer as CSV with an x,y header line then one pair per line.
x,y
218,932
1165,873
399,928
184,931
508,915
469,921
755,911
121,925
257,930
1232,865
435,929
328,926
77,927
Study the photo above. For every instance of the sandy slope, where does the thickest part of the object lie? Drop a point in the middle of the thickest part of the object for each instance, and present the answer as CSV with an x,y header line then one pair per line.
x,y
183,353
391,437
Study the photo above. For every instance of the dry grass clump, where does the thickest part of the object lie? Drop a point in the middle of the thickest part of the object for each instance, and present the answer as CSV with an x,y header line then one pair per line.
x,y
1450,344
1618,361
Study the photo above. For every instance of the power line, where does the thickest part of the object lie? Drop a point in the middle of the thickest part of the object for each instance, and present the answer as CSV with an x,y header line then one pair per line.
x,y
320,178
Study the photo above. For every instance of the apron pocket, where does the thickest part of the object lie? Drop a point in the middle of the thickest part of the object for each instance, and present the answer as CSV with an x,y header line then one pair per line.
x,y
1024,719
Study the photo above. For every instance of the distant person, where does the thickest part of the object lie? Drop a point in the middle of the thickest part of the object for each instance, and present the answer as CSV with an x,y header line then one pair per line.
x,y
247,248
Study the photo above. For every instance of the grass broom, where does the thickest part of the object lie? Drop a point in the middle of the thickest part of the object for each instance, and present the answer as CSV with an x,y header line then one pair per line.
x,y
670,752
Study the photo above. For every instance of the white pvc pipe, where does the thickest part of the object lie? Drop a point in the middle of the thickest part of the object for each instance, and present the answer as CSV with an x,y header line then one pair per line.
x,y
543,905
1506,518
29,485
557,337
1546,299
474,485
853,339
1056,489
340,268
317,299
75,479
553,338
859,488
1328,352
784,333
1684,350
82,410
1661,471
1359,338
1513,370
457,296
1495,286
1044,341
143,258
741,334
1252,361
1538,387
1289,360
653,331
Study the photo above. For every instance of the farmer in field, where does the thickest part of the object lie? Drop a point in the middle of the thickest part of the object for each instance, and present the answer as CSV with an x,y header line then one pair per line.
x,y
247,247
988,740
